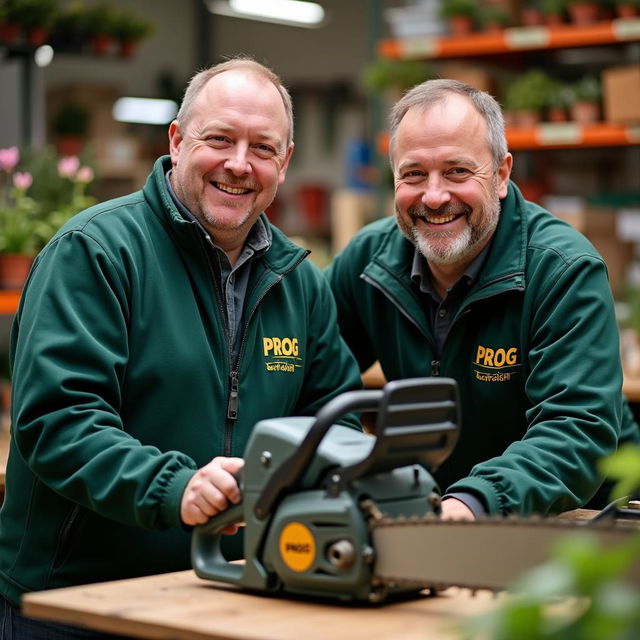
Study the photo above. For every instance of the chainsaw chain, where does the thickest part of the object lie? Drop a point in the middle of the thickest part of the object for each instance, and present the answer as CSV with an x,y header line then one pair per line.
x,y
431,520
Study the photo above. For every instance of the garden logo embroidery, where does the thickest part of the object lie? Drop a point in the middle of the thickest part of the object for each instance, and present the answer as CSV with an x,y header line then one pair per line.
x,y
282,354
496,365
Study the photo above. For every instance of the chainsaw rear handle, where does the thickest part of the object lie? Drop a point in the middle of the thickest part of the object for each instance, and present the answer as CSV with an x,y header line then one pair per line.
x,y
290,471
417,423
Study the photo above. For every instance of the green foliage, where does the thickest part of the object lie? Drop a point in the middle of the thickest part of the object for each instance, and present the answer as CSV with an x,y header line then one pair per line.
x,y
531,90
30,216
98,19
128,26
32,13
553,7
450,8
587,89
624,467
493,14
71,119
386,74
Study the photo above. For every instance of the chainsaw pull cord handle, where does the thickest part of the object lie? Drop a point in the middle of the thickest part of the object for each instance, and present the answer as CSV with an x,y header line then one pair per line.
x,y
291,470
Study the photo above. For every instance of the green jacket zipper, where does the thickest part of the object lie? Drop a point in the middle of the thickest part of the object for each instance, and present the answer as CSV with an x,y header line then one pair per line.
x,y
234,376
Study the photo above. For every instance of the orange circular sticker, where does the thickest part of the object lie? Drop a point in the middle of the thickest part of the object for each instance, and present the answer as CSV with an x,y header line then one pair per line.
x,y
297,546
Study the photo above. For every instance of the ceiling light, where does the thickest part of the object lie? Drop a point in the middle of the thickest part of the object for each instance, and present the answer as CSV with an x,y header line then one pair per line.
x,y
297,13
144,110
43,55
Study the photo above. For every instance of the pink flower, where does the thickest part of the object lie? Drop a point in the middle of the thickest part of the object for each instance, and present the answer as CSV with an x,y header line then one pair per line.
x,y
68,166
9,158
22,180
85,175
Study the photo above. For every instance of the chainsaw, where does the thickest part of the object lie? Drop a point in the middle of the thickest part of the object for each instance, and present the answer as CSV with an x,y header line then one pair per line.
x,y
330,511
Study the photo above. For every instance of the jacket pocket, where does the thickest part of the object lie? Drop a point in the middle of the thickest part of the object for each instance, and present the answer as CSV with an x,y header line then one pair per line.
x,y
66,535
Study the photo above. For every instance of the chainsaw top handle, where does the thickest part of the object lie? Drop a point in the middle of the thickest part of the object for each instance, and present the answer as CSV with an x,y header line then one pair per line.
x,y
417,423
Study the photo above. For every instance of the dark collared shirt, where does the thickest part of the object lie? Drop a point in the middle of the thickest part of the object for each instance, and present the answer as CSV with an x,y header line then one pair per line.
x,y
440,314
231,281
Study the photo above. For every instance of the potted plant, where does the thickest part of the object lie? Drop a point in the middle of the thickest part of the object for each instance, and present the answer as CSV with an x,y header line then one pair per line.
x,y
35,17
128,28
494,17
462,15
18,242
70,125
531,14
527,95
585,12
384,75
98,25
69,30
553,11
586,97
627,8
559,101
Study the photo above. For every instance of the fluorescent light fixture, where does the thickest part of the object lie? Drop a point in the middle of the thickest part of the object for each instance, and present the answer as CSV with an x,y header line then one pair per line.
x,y
289,12
144,110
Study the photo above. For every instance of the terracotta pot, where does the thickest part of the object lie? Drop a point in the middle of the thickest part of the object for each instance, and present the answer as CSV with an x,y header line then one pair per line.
x,y
126,48
14,269
37,36
557,114
531,17
100,44
583,13
527,117
626,10
585,112
69,145
9,32
460,25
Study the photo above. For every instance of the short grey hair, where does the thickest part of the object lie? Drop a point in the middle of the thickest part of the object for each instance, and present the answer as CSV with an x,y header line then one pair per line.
x,y
436,91
246,63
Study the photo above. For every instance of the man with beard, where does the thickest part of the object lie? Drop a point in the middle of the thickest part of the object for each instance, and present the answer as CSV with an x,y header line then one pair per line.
x,y
472,282
153,333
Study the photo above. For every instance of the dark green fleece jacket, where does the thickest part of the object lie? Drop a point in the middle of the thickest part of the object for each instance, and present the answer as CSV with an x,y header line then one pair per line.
x,y
534,349
123,386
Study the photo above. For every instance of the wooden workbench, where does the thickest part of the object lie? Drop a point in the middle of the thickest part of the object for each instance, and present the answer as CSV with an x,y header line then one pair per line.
x,y
181,606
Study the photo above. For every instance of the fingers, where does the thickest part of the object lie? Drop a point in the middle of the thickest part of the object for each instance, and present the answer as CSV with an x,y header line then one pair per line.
x,y
211,490
454,509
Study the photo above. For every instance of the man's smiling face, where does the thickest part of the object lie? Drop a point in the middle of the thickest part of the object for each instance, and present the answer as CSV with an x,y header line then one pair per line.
x,y
447,191
232,154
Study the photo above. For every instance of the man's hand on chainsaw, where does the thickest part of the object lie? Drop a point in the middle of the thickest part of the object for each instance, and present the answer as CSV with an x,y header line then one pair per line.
x,y
453,509
212,489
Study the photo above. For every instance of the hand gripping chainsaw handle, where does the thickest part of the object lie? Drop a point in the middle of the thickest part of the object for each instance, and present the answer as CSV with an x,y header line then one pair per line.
x,y
417,423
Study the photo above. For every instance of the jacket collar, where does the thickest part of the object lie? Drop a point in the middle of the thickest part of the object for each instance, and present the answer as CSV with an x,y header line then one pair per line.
x,y
281,256
504,264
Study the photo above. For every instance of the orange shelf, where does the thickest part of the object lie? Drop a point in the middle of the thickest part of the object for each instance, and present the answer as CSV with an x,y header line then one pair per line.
x,y
512,40
563,135
559,135
9,301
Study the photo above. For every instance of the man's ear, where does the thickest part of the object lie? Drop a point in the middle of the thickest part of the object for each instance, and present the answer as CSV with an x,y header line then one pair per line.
x,y
175,140
285,165
504,173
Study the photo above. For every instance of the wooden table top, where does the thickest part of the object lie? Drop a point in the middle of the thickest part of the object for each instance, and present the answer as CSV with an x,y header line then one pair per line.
x,y
181,606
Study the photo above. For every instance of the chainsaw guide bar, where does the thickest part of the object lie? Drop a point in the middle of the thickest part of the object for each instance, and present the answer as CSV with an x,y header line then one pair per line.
x,y
489,553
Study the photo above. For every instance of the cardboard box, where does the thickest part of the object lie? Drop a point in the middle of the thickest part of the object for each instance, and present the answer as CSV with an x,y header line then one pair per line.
x,y
621,94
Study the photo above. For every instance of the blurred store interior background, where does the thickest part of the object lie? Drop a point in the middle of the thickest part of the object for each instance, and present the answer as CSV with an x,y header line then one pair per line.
x,y
538,57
